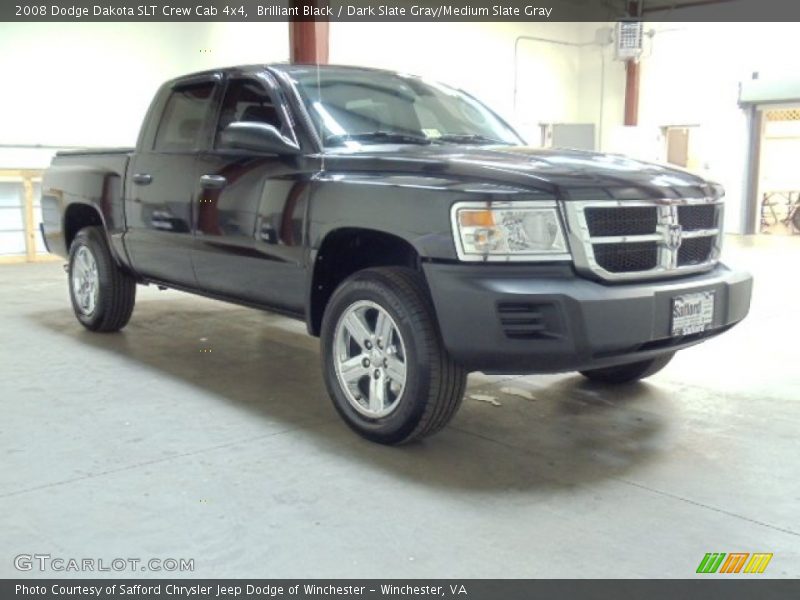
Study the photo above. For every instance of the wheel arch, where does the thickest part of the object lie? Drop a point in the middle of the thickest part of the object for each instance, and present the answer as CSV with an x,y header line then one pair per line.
x,y
346,250
77,216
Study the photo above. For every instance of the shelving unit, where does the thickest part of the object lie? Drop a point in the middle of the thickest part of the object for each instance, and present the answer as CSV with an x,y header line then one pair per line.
x,y
20,215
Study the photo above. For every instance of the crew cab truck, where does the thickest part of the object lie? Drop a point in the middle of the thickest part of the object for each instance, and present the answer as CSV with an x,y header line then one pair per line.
x,y
407,224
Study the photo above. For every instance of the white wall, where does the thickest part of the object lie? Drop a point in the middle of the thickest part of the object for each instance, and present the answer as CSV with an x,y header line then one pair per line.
x,y
690,76
601,87
780,157
89,84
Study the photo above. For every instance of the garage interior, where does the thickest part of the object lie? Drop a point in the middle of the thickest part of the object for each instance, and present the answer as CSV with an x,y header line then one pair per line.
x,y
204,431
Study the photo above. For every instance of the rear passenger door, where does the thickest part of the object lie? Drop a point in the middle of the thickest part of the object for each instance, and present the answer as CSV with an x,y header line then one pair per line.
x,y
158,205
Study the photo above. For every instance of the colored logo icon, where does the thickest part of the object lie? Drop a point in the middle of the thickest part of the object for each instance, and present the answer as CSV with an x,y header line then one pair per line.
x,y
736,562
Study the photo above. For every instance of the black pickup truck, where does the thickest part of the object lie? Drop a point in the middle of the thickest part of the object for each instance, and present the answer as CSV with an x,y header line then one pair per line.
x,y
407,224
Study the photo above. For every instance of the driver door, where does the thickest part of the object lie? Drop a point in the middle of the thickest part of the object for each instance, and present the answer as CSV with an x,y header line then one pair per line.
x,y
249,208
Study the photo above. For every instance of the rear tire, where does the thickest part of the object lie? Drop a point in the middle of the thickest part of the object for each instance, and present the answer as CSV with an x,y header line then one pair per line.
x,y
383,360
630,372
102,293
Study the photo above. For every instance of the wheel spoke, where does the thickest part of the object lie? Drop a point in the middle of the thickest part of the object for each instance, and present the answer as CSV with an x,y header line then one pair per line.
x,y
357,327
377,392
92,297
396,369
353,369
79,269
383,328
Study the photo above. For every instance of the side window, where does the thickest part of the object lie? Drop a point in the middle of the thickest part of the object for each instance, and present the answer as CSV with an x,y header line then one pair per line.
x,y
183,117
247,100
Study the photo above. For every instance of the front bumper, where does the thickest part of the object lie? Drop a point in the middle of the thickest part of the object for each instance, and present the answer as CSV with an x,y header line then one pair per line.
x,y
544,319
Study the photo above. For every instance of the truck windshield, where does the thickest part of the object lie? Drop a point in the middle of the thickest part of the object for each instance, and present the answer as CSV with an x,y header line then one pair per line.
x,y
350,106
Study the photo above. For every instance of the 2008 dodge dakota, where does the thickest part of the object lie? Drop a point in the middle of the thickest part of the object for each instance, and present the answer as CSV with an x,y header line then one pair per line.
x,y
407,224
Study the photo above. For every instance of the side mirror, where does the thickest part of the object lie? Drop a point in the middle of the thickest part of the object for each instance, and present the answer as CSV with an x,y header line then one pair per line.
x,y
259,137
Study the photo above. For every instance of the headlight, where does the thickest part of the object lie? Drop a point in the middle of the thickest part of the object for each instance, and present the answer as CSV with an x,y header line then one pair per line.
x,y
506,231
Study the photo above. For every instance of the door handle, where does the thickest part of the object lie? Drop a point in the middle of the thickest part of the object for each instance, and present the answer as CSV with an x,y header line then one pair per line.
x,y
142,178
213,181
268,234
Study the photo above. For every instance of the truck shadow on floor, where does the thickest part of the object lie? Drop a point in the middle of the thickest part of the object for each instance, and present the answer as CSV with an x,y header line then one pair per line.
x,y
538,433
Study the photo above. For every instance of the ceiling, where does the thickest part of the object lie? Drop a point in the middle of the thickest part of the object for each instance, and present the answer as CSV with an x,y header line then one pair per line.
x,y
651,6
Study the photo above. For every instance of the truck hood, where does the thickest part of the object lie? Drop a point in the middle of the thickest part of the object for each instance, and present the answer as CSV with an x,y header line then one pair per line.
x,y
567,174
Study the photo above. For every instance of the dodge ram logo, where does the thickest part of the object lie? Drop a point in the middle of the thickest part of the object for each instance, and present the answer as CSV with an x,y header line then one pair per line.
x,y
674,236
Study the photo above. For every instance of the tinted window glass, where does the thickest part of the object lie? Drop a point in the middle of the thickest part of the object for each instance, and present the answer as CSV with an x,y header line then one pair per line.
x,y
371,106
183,118
247,100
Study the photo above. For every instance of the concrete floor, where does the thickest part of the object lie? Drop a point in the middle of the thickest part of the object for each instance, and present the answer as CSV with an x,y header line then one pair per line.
x,y
142,445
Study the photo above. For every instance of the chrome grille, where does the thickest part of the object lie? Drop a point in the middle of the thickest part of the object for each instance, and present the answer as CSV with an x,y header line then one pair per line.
x,y
695,251
630,220
621,239
627,258
698,216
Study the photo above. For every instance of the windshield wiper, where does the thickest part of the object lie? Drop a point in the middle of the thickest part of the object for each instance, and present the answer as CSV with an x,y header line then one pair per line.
x,y
469,138
378,137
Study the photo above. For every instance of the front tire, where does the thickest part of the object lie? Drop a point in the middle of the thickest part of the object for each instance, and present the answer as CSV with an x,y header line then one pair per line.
x,y
102,294
385,367
629,372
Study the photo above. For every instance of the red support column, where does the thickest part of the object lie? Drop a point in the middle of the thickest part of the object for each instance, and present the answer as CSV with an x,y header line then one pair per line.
x,y
631,93
308,40
632,75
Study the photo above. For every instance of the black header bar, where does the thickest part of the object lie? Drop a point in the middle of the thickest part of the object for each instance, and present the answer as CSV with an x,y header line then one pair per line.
x,y
714,588
398,10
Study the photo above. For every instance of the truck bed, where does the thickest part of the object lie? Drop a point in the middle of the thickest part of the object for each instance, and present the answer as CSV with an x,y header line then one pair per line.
x,y
83,179
94,151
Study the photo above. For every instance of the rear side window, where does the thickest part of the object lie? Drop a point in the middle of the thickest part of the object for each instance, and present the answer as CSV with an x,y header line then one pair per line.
x,y
183,117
